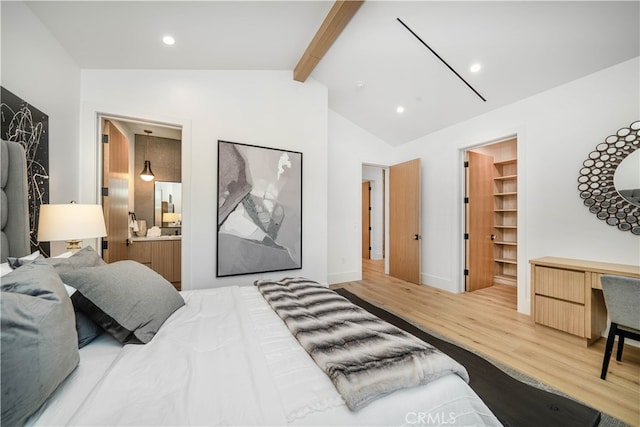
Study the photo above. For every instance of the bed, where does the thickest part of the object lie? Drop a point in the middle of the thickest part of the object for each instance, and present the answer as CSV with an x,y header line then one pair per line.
x,y
119,346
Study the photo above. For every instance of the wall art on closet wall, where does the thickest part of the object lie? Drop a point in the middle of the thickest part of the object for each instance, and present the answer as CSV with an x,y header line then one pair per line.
x,y
259,209
23,123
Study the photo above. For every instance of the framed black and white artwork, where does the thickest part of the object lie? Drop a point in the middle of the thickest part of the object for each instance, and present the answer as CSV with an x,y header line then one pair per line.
x,y
259,209
23,123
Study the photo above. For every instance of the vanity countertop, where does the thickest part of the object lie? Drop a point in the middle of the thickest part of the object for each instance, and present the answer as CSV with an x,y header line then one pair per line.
x,y
152,239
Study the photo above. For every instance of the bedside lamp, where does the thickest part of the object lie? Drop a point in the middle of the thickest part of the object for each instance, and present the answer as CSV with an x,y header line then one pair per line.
x,y
71,222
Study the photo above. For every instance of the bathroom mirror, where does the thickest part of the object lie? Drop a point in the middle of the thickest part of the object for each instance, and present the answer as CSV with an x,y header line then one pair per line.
x,y
167,204
609,181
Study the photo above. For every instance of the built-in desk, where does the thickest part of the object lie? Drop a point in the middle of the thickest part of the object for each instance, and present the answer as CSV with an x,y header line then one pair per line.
x,y
566,294
162,254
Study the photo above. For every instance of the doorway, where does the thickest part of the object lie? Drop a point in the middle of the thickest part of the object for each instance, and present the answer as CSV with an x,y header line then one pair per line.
x,y
405,234
395,219
115,190
366,220
128,199
491,213
373,217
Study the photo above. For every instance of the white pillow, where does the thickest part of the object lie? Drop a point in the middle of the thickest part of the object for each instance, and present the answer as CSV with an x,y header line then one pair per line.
x,y
70,289
31,257
15,262
5,268
64,255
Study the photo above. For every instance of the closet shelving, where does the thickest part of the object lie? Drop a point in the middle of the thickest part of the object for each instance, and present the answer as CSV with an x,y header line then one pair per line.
x,y
506,221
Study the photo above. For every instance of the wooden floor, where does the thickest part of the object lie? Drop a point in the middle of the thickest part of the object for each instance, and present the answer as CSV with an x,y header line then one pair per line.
x,y
487,321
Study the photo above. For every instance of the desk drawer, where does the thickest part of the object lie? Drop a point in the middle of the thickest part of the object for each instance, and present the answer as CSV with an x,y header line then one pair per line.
x,y
563,315
562,284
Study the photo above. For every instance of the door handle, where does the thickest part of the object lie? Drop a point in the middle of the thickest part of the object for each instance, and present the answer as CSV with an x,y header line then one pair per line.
x,y
416,237
493,237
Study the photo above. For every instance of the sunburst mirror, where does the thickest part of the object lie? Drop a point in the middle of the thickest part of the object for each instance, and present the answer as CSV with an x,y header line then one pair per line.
x,y
609,181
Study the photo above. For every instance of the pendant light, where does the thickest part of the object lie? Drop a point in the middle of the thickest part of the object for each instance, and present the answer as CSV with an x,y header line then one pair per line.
x,y
147,173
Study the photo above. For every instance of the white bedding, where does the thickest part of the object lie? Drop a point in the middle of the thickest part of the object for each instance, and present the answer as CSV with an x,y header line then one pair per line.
x,y
226,358
95,359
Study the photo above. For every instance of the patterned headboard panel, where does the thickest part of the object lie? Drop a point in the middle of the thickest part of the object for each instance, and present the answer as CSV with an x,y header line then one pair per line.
x,y
13,203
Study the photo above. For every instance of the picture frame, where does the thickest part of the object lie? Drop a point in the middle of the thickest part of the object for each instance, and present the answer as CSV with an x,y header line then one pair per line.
x,y
259,214
25,124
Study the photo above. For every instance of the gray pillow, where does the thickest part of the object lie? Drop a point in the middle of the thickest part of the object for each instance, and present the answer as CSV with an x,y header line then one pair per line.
x,y
85,257
126,298
39,341
86,328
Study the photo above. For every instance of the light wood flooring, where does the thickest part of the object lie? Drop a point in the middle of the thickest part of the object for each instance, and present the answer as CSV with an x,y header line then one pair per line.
x,y
487,321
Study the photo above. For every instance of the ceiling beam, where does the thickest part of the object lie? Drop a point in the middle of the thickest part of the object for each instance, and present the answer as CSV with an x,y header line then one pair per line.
x,y
337,19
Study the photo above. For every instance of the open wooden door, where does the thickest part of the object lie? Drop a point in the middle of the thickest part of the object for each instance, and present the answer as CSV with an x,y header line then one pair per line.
x,y
115,201
479,221
366,220
404,221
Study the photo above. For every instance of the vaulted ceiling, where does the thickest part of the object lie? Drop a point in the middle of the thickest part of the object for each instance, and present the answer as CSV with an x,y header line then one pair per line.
x,y
377,63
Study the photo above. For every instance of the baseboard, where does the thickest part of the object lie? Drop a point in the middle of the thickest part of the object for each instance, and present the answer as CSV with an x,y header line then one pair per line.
x,y
344,277
439,282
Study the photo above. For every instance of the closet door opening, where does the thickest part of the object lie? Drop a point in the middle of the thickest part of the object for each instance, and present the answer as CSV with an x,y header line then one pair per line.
x,y
491,211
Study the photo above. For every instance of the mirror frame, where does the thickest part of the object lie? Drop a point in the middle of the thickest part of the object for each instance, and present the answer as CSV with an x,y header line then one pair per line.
x,y
595,182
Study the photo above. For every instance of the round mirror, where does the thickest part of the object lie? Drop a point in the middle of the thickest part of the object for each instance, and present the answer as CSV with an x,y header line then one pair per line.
x,y
613,174
627,178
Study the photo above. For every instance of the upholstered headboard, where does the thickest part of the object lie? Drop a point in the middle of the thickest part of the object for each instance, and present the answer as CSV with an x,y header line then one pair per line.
x,y
13,202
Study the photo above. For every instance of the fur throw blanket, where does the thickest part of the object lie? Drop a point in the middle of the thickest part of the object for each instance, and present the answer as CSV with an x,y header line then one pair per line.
x,y
365,357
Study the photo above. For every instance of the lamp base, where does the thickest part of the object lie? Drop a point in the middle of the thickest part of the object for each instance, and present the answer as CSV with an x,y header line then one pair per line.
x,y
73,245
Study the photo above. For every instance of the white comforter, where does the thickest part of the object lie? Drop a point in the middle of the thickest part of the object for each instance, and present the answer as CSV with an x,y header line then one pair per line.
x,y
226,358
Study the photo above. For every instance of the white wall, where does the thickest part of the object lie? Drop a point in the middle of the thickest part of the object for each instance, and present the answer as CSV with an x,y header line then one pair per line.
x,y
349,148
37,69
265,108
556,131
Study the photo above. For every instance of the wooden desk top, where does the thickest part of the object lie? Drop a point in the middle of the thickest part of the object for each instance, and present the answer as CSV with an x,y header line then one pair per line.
x,y
593,266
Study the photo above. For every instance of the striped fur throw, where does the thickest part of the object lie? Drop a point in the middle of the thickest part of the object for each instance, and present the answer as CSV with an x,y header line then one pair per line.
x,y
365,357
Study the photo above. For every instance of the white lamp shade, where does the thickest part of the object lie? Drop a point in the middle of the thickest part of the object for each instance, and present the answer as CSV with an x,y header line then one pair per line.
x,y
147,173
171,217
70,221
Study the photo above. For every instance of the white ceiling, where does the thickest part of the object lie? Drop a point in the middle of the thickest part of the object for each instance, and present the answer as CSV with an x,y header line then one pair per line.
x,y
524,47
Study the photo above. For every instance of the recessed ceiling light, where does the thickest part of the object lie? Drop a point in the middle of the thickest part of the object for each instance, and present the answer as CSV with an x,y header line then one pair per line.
x,y
475,68
400,109
360,84
168,40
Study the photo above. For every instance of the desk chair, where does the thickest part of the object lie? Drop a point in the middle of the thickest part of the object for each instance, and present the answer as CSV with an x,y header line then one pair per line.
x,y
622,298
